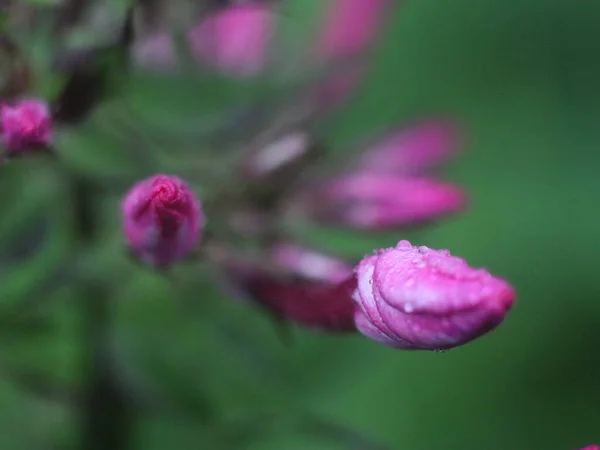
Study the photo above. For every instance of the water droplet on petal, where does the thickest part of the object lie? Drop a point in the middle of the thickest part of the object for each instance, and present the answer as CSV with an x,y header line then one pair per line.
x,y
404,245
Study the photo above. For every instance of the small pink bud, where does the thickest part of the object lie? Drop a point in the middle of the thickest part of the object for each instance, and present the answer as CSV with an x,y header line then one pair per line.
x,y
26,125
315,290
309,263
377,202
234,39
417,298
162,220
322,306
277,154
351,26
414,149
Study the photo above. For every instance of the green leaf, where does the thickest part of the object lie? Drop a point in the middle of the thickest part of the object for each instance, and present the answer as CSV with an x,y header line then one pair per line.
x,y
43,419
33,235
191,101
44,2
99,149
297,431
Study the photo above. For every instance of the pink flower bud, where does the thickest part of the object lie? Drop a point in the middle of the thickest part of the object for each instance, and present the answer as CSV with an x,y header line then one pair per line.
x,y
162,220
322,306
26,125
414,149
351,26
286,150
417,298
234,39
377,202
314,290
309,263
349,29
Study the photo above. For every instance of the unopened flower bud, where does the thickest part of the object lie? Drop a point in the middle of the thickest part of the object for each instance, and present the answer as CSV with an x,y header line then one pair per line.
x,y
350,27
412,150
309,263
313,290
417,298
280,153
377,202
162,220
235,39
26,125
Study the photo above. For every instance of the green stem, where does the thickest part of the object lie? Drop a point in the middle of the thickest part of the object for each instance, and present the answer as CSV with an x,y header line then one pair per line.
x,y
107,417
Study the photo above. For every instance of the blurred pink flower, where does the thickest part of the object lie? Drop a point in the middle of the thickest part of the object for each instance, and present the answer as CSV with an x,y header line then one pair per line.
x,y
155,51
414,149
279,153
351,26
591,447
162,220
417,298
313,290
376,202
235,40
26,125
309,263
337,88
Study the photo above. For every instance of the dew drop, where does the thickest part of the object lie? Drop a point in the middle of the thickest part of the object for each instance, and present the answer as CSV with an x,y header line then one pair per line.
x,y
404,245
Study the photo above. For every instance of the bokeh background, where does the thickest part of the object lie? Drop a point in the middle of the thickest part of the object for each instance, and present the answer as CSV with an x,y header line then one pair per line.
x,y
523,79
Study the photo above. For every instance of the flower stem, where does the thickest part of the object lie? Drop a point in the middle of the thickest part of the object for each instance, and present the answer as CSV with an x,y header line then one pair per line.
x,y
107,414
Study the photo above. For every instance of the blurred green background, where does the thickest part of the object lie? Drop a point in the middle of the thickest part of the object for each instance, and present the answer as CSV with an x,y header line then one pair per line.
x,y
523,78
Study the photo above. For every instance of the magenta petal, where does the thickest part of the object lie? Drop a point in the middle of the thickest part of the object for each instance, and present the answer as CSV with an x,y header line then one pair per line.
x,y
414,149
309,263
427,299
313,290
162,219
372,202
351,26
314,304
235,39
26,125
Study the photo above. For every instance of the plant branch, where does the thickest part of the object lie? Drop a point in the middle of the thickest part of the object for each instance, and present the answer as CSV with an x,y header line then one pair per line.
x,y
107,412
